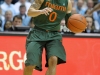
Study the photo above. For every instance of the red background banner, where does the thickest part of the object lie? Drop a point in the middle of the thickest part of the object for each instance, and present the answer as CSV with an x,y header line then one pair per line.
x,y
83,56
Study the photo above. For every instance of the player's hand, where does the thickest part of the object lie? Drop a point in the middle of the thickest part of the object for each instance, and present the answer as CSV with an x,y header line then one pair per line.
x,y
46,11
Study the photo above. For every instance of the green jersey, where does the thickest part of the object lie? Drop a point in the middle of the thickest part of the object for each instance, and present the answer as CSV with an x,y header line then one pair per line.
x,y
52,21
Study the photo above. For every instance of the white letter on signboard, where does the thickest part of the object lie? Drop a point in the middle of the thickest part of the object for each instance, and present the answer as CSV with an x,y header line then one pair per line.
x,y
3,60
11,60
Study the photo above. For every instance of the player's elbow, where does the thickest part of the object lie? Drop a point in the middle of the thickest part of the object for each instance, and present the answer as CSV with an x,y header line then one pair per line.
x,y
29,13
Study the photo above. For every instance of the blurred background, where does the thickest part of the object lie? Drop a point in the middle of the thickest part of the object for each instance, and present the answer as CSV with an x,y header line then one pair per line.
x,y
14,18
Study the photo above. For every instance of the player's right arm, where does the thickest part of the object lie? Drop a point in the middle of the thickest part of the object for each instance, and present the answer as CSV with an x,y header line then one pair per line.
x,y
97,7
34,9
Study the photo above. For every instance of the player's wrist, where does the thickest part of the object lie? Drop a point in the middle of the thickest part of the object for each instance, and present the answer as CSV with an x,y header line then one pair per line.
x,y
40,12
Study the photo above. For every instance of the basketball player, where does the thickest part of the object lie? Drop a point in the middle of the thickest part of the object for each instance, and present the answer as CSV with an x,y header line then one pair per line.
x,y
47,17
97,7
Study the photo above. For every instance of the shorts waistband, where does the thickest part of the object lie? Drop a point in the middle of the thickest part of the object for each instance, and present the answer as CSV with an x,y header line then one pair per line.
x,y
44,29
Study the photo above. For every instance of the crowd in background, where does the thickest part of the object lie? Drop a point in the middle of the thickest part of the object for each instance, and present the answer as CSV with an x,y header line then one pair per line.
x,y
13,14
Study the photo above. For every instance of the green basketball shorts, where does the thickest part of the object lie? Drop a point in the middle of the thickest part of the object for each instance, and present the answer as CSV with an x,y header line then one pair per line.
x,y
36,41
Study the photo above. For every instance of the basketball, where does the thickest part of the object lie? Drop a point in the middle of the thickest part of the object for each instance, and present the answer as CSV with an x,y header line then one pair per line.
x,y
77,23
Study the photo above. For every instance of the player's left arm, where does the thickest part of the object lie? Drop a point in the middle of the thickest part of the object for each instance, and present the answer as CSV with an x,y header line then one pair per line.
x,y
69,9
97,7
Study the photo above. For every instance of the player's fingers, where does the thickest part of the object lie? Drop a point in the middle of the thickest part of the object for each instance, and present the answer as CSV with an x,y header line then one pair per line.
x,y
46,12
49,9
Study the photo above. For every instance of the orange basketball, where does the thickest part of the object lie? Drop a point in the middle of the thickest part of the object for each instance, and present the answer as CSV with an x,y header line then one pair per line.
x,y
77,23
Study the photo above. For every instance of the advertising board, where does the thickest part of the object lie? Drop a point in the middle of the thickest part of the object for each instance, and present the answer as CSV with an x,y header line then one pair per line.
x,y
83,56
